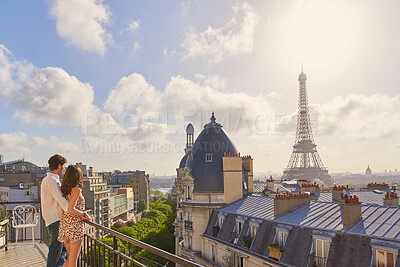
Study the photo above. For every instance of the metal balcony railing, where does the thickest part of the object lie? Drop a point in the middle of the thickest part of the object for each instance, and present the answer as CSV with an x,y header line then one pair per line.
x,y
95,252
316,261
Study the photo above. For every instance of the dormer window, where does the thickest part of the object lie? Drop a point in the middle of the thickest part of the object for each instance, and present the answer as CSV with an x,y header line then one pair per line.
x,y
253,227
253,230
281,238
208,157
221,219
384,258
384,253
320,251
239,226
282,232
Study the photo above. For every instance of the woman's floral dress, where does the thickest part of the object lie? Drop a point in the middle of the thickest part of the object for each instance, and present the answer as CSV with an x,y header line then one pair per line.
x,y
72,228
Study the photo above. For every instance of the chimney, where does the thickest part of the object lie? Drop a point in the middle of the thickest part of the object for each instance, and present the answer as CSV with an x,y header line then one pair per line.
x,y
377,186
310,188
391,199
270,183
287,202
337,192
351,210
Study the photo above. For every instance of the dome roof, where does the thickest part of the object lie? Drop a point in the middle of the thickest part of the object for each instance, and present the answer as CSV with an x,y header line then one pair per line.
x,y
182,164
213,142
190,129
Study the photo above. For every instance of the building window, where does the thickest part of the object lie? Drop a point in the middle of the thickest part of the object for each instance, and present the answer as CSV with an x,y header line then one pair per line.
x,y
188,193
208,157
321,251
384,258
189,242
220,221
281,238
254,229
239,227
239,261
213,254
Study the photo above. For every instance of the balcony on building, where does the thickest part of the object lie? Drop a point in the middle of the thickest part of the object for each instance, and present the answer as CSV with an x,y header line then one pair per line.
x,y
188,225
94,251
316,261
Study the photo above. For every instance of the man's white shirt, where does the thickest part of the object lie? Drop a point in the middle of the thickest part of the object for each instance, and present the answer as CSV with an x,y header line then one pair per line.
x,y
52,201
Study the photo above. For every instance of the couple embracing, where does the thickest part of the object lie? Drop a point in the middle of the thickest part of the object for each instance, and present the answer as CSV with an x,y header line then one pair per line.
x,y
63,208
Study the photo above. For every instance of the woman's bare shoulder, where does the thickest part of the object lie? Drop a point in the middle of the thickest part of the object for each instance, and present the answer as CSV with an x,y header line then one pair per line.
x,y
75,190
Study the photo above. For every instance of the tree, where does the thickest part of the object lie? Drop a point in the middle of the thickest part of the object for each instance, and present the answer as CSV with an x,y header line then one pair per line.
x,y
157,193
155,228
142,205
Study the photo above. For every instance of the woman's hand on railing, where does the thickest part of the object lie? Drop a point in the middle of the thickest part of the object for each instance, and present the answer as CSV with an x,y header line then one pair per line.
x,y
86,216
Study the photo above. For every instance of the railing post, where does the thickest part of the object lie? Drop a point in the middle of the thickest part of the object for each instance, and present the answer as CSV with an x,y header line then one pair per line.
x,y
115,248
6,236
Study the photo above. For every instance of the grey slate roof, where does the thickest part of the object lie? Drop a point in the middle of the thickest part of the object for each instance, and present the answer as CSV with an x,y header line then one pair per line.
x,y
349,246
377,221
261,207
370,197
297,247
258,187
349,250
182,164
208,175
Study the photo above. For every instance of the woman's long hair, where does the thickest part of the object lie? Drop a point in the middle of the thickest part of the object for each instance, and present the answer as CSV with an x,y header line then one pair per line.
x,y
72,178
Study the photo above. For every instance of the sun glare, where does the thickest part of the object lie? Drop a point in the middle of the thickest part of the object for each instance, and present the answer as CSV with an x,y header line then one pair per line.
x,y
319,34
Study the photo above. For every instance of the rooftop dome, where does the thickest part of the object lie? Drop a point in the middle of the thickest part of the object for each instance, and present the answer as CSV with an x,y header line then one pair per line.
x,y
182,164
190,129
211,143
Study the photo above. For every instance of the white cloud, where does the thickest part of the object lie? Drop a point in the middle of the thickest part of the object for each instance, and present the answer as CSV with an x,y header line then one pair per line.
x,y
50,96
132,27
133,94
67,148
235,38
82,23
136,47
360,117
184,98
19,142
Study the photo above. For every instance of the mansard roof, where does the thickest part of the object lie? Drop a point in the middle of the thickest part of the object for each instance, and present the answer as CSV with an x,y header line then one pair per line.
x,y
378,225
214,141
376,220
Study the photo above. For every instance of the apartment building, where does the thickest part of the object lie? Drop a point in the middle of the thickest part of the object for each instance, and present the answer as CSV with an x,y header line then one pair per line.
x,y
137,180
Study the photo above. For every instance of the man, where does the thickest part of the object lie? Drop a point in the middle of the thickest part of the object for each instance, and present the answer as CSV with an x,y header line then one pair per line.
x,y
53,204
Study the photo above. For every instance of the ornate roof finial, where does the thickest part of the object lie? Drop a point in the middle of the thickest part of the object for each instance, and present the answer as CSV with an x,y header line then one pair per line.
x,y
212,119
302,66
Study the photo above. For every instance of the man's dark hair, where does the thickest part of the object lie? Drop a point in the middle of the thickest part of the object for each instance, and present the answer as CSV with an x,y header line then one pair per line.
x,y
56,160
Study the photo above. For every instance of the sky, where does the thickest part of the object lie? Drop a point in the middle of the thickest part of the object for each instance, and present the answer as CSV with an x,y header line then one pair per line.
x,y
113,84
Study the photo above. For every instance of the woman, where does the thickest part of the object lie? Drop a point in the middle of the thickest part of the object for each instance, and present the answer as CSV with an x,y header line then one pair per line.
x,y
72,227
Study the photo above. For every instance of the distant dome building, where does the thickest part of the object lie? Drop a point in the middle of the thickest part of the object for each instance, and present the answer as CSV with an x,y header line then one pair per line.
x,y
368,171
211,174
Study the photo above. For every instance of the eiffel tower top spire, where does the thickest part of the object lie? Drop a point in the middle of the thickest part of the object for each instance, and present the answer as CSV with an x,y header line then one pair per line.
x,y
302,75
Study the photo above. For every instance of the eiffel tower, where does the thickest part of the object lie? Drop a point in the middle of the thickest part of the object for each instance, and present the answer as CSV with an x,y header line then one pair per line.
x,y
305,162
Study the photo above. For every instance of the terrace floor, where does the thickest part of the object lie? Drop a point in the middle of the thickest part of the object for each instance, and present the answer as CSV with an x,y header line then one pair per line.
x,y
24,254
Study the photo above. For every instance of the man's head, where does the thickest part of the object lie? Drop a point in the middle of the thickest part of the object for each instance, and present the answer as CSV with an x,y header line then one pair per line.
x,y
56,164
